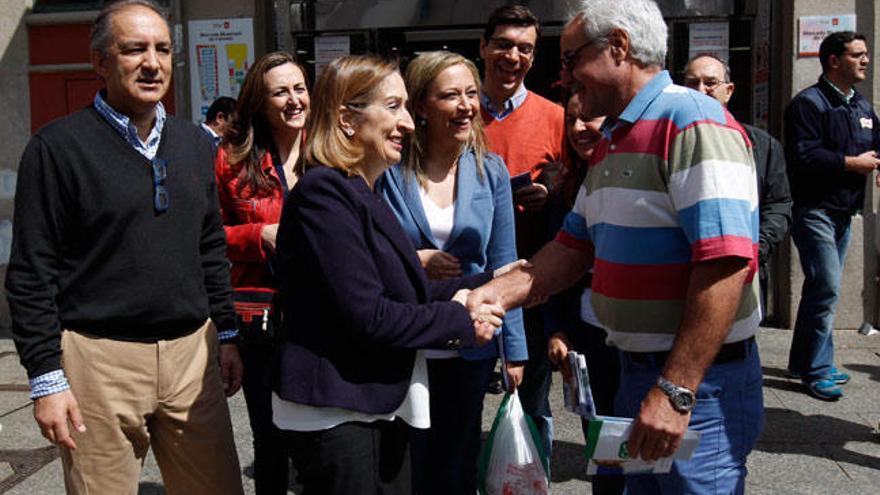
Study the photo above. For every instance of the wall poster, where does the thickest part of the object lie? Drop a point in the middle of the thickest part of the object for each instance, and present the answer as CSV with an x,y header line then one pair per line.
x,y
813,29
220,53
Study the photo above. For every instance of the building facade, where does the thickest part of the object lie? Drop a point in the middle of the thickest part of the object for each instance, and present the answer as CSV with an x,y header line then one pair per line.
x,y
45,74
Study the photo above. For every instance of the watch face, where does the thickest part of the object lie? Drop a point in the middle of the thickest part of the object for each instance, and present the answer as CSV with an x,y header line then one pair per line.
x,y
684,401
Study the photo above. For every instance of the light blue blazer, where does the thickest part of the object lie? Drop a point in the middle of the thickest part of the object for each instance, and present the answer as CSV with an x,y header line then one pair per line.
x,y
483,235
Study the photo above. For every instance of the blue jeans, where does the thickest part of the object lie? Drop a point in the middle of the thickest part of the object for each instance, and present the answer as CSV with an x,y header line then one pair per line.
x,y
821,238
729,415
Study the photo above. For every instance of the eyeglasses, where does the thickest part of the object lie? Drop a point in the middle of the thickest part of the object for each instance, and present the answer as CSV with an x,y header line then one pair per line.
x,y
569,57
709,83
504,45
160,193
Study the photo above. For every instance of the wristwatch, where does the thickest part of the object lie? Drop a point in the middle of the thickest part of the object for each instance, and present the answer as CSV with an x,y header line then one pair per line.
x,y
682,399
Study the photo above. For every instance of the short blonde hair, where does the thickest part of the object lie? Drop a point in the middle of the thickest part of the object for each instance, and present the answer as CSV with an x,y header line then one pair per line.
x,y
348,82
420,73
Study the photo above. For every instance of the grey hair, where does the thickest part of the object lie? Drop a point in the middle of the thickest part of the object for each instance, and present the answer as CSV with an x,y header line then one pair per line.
x,y
102,34
724,65
641,19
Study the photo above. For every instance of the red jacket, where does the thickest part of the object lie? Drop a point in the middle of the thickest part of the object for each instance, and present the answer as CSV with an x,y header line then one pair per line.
x,y
244,216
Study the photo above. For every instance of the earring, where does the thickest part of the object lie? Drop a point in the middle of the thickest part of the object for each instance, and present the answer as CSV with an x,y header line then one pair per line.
x,y
348,132
423,122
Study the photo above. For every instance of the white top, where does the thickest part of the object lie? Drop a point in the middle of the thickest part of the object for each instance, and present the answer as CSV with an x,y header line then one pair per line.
x,y
440,220
415,409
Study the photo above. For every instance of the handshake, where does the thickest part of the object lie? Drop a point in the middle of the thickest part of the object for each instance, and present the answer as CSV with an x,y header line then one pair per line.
x,y
485,316
485,305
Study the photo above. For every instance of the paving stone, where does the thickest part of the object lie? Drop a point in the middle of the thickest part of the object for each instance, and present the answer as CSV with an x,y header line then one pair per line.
x,y
5,471
844,339
872,419
12,401
6,343
808,446
795,427
11,371
794,468
47,481
858,398
21,432
859,461
771,399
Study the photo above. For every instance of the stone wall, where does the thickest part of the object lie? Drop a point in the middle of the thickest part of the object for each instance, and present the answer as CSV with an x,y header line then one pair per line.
x,y
14,123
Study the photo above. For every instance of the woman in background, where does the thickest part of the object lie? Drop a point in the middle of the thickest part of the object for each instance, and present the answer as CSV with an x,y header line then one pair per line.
x,y
255,168
569,316
357,304
453,199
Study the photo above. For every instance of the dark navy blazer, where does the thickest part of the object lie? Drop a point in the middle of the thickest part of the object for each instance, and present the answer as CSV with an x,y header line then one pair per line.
x,y
483,235
357,303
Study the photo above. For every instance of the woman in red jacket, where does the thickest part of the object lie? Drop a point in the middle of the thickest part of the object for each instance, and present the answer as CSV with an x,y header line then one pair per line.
x,y
256,166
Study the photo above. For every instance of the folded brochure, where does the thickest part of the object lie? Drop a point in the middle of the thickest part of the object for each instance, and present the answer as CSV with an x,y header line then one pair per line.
x,y
607,452
576,392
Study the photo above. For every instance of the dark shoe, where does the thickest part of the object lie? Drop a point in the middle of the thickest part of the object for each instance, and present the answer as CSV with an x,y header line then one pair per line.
x,y
824,389
495,387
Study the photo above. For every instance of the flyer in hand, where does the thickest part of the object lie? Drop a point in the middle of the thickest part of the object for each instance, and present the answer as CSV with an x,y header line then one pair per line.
x,y
607,449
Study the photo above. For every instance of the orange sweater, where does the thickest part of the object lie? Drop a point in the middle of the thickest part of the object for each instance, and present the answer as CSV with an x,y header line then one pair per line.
x,y
528,138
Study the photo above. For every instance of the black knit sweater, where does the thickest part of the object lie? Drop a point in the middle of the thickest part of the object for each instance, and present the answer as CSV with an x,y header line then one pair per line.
x,y
90,254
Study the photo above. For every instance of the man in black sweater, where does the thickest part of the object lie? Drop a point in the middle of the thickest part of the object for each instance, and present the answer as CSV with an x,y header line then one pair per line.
x,y
711,76
118,262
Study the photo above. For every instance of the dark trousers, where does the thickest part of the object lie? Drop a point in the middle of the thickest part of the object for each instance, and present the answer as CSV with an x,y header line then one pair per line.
x,y
537,378
603,365
270,452
445,456
353,459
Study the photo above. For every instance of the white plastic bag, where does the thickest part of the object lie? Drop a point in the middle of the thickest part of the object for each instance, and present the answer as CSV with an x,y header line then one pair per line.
x,y
512,461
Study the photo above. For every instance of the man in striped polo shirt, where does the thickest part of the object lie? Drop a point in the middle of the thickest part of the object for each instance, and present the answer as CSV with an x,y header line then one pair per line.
x,y
668,217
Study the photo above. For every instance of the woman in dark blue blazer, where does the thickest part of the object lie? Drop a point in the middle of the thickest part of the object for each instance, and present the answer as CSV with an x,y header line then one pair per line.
x,y
453,199
357,304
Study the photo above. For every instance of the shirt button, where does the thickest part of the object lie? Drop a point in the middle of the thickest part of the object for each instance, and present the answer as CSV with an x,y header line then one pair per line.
x,y
612,147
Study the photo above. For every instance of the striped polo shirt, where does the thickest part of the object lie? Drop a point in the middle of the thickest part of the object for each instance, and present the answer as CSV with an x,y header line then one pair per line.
x,y
672,183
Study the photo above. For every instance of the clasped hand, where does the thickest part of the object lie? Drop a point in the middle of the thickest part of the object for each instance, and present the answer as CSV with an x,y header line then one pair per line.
x,y
487,316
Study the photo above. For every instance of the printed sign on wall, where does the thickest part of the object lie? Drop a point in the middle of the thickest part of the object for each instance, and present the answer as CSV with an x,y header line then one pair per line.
x,y
220,53
813,29
711,38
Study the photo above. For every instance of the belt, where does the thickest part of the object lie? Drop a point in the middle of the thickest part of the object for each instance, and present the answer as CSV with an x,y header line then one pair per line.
x,y
733,352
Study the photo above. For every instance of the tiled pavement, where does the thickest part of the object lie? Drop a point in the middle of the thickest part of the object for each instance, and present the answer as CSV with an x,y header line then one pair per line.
x,y
807,447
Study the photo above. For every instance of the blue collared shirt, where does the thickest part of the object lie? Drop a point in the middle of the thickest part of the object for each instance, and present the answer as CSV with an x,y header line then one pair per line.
x,y
128,131
55,381
637,106
508,106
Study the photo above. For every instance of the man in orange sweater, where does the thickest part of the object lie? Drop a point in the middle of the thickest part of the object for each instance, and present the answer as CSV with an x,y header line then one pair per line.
x,y
527,131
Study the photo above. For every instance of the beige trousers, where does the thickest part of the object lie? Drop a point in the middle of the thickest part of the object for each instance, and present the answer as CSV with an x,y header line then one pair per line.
x,y
168,394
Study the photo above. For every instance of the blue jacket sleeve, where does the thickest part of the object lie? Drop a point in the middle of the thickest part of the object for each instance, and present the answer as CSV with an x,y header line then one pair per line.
x,y
501,250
